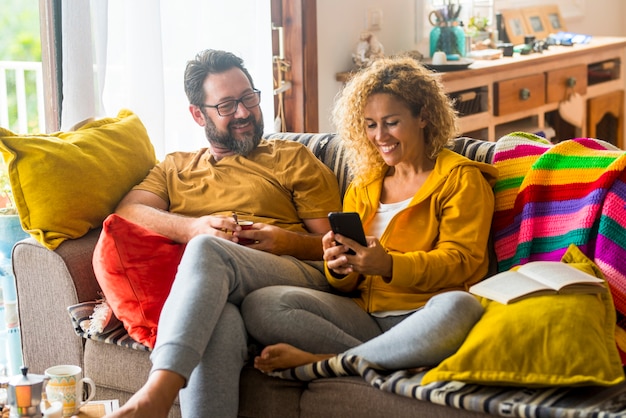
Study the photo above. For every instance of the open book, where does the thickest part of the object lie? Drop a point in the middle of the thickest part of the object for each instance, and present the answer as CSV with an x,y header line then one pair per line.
x,y
537,278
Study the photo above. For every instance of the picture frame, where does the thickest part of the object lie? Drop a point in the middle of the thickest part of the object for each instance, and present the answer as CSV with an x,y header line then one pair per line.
x,y
553,18
514,25
536,24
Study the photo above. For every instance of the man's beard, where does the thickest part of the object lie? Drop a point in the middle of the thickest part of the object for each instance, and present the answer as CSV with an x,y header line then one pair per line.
x,y
243,146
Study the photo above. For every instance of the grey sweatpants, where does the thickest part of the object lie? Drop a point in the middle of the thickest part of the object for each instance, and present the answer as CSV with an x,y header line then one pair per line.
x,y
325,323
201,334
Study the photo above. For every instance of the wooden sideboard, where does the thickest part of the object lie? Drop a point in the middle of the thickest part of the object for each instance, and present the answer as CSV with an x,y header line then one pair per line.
x,y
524,92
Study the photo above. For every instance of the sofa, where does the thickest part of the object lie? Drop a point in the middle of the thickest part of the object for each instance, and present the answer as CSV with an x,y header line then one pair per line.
x,y
50,281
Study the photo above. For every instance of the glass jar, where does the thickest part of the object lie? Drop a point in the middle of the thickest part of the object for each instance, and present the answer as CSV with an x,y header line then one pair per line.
x,y
448,37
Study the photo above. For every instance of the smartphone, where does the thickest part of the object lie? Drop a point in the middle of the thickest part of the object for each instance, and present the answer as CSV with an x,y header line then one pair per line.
x,y
349,225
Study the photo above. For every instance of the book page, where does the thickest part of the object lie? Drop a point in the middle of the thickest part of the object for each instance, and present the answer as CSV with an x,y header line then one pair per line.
x,y
508,286
557,275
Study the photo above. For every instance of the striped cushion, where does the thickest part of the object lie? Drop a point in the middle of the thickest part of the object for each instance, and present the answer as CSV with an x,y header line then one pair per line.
x,y
81,315
474,149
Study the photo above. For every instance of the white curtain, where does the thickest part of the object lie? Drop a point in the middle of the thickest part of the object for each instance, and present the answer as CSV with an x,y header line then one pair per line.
x,y
138,51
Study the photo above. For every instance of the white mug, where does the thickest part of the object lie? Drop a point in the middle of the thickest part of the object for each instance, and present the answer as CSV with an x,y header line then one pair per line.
x,y
67,385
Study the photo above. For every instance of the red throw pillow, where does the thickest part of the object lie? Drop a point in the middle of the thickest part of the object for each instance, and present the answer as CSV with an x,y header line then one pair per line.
x,y
135,268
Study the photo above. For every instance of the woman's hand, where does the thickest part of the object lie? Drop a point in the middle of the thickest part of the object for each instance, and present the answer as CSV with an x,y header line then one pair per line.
x,y
372,259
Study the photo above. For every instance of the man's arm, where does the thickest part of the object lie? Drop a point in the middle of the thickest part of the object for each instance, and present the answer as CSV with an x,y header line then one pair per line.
x,y
149,210
317,228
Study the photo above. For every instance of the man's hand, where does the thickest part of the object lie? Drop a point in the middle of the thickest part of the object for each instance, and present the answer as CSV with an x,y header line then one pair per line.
x,y
219,226
279,241
266,237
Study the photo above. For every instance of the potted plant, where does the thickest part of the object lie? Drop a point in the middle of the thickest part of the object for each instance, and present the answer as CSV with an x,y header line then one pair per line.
x,y
480,33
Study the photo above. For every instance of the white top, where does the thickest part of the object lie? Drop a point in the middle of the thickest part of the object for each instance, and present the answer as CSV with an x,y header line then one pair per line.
x,y
384,214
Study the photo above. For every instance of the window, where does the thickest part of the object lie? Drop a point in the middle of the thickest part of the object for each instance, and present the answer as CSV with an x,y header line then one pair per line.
x,y
21,97
132,55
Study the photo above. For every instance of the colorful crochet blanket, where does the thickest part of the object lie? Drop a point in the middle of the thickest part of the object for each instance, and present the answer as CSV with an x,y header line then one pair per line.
x,y
550,196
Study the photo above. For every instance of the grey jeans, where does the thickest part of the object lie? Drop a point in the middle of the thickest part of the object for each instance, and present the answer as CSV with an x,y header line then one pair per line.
x,y
326,323
201,334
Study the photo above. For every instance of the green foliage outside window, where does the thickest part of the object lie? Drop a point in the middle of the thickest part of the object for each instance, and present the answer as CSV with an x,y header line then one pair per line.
x,y
20,41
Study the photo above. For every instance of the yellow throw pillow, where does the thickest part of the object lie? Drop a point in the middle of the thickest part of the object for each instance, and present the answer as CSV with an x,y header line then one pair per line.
x,y
557,340
66,183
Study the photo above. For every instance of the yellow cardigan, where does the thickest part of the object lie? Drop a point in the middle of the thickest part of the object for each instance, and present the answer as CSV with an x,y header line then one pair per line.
x,y
438,243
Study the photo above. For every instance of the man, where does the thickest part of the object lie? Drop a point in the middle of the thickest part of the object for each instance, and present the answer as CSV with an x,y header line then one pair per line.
x,y
190,197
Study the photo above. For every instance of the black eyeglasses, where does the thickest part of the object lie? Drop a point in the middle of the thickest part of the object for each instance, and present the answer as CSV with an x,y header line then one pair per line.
x,y
229,107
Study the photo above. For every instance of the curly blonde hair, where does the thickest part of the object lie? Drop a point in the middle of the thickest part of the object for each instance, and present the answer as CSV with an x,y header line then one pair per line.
x,y
410,82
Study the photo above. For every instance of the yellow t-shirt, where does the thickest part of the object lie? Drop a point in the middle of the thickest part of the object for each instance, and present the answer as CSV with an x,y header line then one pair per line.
x,y
279,183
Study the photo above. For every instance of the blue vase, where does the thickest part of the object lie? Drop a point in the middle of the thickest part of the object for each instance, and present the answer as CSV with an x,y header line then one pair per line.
x,y
449,38
10,340
10,232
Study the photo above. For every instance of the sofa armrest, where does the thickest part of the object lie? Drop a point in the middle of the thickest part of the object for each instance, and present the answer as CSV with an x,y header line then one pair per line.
x,y
47,282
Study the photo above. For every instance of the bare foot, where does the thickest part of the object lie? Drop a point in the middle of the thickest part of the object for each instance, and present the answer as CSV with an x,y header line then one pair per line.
x,y
154,399
416,370
284,356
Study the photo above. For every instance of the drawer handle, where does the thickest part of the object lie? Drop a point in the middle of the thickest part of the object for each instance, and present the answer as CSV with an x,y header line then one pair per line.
x,y
524,94
571,82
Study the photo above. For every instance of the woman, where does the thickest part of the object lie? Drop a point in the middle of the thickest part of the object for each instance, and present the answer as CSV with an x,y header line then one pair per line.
x,y
401,300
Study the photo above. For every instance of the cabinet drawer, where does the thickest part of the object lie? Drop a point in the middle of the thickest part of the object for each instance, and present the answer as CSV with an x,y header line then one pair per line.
x,y
519,94
564,81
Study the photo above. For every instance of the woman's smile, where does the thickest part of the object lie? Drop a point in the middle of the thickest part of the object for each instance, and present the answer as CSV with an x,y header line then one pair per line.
x,y
386,149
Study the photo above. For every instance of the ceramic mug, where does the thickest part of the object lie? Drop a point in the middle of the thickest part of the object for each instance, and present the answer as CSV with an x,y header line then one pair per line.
x,y
67,385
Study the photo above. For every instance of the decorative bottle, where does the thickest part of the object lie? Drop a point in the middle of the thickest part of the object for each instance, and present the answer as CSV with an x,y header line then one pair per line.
x,y
4,349
448,37
14,340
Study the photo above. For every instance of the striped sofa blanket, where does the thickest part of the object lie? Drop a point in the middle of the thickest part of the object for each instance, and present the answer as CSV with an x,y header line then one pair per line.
x,y
554,402
551,196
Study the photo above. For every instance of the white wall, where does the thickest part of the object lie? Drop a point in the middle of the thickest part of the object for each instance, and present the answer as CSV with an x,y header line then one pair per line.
x,y
340,22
